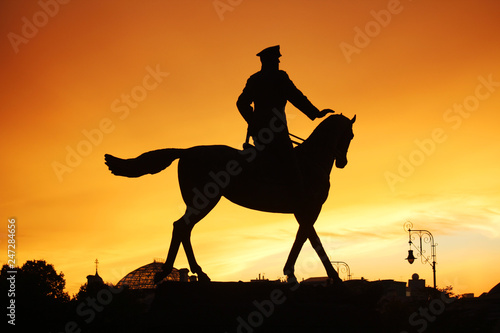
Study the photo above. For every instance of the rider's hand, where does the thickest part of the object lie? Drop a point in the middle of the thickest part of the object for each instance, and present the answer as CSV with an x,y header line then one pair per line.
x,y
324,112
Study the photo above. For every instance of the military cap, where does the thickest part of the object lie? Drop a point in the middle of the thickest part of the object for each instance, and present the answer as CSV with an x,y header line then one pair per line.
x,y
270,52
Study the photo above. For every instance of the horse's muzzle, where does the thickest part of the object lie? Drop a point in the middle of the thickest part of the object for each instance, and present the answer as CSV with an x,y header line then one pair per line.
x,y
340,162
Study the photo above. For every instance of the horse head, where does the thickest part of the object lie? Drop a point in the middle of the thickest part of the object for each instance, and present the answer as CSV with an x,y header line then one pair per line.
x,y
343,140
332,138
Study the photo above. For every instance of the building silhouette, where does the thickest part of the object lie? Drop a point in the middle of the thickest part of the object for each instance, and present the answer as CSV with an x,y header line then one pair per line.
x,y
416,288
94,282
143,277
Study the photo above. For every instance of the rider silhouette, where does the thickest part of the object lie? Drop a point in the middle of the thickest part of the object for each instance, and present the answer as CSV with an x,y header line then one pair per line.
x,y
269,90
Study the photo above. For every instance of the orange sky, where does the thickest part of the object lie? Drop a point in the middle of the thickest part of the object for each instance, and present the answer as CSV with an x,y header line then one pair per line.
x,y
422,78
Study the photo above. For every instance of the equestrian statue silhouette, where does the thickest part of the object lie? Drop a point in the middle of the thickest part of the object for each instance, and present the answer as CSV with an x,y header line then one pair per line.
x,y
271,175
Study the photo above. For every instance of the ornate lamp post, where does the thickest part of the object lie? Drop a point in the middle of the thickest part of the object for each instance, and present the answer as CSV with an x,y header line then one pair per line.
x,y
342,267
427,237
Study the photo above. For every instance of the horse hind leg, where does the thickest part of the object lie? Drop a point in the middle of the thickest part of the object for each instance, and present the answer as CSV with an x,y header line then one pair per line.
x,y
193,265
168,266
182,234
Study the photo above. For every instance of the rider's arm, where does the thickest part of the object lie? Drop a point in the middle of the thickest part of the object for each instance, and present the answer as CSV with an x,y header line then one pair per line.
x,y
297,98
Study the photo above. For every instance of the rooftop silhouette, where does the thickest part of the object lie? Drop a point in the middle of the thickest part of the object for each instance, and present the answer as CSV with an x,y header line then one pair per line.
x,y
263,306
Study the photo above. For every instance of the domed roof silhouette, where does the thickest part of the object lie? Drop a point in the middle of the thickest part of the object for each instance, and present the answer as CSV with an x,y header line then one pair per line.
x,y
143,277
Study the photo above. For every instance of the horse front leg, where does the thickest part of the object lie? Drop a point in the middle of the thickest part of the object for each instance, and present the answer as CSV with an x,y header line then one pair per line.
x,y
289,269
305,219
318,247
306,230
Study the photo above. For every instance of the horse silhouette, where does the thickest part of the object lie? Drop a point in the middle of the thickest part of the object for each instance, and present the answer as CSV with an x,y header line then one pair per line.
x,y
207,173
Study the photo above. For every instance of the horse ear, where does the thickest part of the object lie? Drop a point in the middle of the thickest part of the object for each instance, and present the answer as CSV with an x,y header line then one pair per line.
x,y
353,119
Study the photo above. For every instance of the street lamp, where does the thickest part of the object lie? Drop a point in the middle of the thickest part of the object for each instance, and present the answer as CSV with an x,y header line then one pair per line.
x,y
342,267
427,237
411,257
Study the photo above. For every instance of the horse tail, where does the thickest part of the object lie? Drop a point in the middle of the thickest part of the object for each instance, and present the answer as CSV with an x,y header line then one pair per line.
x,y
151,162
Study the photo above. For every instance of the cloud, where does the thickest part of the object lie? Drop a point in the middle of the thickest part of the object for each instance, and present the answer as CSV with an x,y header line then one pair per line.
x,y
454,216
356,234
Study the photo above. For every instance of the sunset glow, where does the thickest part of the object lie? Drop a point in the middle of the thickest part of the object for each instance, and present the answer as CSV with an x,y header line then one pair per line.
x,y
84,78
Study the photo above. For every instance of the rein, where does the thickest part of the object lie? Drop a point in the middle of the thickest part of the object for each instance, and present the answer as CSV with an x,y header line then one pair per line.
x,y
247,140
297,137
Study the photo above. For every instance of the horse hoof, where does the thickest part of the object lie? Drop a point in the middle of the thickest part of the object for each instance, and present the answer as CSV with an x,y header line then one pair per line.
x,y
335,279
291,279
202,277
159,276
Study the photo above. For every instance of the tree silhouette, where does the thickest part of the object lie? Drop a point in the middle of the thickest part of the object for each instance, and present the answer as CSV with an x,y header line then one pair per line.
x,y
42,281
448,291
40,298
